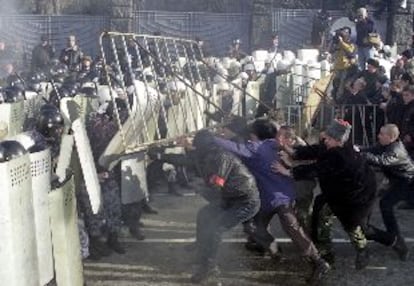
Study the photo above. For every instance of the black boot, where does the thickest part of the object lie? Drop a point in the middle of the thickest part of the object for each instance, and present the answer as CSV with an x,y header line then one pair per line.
x,y
97,247
114,243
135,232
172,189
147,208
205,272
320,269
94,253
401,248
362,259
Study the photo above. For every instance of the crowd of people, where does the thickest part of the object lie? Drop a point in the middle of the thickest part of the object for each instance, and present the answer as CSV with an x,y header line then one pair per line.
x,y
256,170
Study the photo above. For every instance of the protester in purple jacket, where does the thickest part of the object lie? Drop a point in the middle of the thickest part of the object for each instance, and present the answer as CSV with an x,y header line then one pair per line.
x,y
277,194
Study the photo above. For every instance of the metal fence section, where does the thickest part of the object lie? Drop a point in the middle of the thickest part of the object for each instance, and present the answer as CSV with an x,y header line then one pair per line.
x,y
366,120
218,30
22,32
166,87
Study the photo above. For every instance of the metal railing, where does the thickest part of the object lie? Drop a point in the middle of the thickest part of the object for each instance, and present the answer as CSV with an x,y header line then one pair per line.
x,y
366,120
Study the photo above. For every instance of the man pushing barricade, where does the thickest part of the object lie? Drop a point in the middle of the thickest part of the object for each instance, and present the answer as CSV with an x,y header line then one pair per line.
x,y
347,184
393,159
231,192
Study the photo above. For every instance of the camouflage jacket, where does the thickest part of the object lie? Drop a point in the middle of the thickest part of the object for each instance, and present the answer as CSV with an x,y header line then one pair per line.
x,y
101,129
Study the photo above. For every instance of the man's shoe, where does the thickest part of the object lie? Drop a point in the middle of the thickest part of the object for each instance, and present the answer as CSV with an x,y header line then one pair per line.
x,y
147,208
362,259
98,247
204,273
114,243
320,269
253,246
94,254
401,248
329,257
136,233
172,189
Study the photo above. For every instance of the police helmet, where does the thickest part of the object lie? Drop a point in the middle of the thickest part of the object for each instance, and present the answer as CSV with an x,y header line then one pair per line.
x,y
13,94
11,149
50,123
16,82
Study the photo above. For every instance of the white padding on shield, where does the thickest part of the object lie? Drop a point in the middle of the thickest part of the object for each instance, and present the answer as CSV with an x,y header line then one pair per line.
x,y
90,175
65,236
134,181
40,169
65,155
18,256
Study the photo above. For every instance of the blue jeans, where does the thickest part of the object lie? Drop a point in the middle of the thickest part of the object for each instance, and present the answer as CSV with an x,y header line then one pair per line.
x,y
364,54
213,221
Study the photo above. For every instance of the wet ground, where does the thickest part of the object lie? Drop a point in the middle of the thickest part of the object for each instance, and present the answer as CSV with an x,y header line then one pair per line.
x,y
162,259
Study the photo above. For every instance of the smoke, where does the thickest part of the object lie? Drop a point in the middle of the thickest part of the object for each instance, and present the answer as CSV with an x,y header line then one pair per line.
x,y
8,6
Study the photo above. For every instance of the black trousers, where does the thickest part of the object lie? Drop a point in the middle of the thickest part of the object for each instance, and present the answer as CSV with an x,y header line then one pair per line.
x,y
213,221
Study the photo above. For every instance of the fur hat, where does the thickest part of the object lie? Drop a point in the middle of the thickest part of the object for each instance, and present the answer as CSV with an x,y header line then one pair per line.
x,y
339,130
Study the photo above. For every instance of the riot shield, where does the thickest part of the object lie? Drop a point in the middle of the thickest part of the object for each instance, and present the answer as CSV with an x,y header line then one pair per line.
x,y
11,119
18,255
65,236
87,163
134,181
40,169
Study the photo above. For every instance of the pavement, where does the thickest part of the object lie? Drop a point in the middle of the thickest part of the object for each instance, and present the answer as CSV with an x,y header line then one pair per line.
x,y
162,260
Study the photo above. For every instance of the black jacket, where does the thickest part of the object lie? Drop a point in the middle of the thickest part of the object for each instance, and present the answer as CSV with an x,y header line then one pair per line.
x,y
347,182
393,159
222,172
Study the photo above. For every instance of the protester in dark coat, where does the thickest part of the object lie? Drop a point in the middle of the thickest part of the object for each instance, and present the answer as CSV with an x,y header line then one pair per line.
x,y
276,193
392,157
231,192
347,183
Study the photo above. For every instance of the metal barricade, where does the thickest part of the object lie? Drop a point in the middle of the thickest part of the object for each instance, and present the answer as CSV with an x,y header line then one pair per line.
x,y
366,120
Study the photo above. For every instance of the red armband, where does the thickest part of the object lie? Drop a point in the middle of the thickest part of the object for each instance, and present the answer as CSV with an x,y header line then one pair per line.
x,y
217,180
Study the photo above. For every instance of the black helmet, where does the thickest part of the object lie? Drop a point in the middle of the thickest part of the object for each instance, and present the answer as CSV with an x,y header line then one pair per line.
x,y
50,123
13,94
88,91
16,82
47,107
10,150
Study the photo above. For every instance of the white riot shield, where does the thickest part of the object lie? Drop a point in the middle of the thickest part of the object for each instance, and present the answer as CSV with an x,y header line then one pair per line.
x,y
87,105
134,181
253,91
65,236
65,156
11,119
40,168
87,162
18,256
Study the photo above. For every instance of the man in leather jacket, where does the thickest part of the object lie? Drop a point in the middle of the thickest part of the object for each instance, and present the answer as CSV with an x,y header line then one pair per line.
x,y
392,157
231,192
